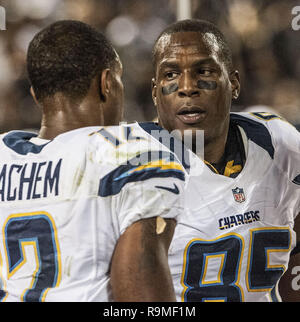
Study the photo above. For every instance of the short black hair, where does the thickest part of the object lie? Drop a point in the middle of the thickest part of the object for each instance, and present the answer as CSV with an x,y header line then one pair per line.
x,y
201,26
65,57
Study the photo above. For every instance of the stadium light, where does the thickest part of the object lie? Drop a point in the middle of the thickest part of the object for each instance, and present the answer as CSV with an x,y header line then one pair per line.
x,y
184,10
2,18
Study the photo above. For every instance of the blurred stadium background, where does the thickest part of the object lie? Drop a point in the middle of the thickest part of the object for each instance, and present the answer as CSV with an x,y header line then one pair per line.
x,y
266,50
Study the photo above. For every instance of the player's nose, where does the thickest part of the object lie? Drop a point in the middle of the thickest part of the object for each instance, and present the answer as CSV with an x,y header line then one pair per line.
x,y
188,86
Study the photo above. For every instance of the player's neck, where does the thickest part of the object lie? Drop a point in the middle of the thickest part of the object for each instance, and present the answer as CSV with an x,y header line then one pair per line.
x,y
214,149
61,116
49,132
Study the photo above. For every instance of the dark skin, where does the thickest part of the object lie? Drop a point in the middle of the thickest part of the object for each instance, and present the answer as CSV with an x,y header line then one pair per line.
x,y
61,114
190,69
193,90
139,267
151,273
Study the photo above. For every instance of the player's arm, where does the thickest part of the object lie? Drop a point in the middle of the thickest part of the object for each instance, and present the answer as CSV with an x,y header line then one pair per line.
x,y
289,286
139,269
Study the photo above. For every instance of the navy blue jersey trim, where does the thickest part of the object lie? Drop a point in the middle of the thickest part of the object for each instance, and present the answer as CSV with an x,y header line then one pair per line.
x,y
168,140
297,179
274,295
296,249
18,141
173,190
132,171
256,132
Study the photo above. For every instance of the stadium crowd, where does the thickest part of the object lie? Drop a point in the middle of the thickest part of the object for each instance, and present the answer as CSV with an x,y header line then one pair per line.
x,y
265,50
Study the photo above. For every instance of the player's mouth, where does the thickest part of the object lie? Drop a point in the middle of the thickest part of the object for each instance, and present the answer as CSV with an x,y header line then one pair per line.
x,y
191,114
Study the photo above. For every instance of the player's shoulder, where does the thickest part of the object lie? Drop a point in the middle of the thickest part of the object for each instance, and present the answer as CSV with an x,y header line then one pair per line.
x,y
138,156
117,135
24,143
105,138
132,138
132,144
121,143
262,119
17,142
281,134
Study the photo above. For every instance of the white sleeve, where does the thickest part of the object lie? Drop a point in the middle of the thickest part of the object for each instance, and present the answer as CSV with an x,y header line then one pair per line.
x,y
145,199
147,181
286,140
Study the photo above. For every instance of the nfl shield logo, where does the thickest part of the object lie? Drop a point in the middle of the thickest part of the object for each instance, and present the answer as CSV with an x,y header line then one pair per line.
x,y
238,194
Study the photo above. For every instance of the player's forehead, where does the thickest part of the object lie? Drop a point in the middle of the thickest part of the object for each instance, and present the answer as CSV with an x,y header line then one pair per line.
x,y
189,44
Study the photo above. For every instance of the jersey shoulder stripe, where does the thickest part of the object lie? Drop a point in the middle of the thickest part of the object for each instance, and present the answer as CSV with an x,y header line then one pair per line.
x,y
297,180
152,164
279,136
18,141
255,131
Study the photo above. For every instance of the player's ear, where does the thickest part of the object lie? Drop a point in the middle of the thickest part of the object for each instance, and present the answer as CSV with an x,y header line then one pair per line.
x,y
33,95
105,84
153,90
235,84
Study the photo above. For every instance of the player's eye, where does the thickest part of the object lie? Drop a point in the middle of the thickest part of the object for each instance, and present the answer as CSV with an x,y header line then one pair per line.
x,y
170,75
205,72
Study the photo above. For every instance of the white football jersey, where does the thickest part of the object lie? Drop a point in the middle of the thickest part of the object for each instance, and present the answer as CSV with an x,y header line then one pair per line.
x,y
64,204
234,240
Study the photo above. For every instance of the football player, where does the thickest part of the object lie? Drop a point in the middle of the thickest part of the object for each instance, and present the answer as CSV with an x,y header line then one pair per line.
x,y
238,233
85,214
